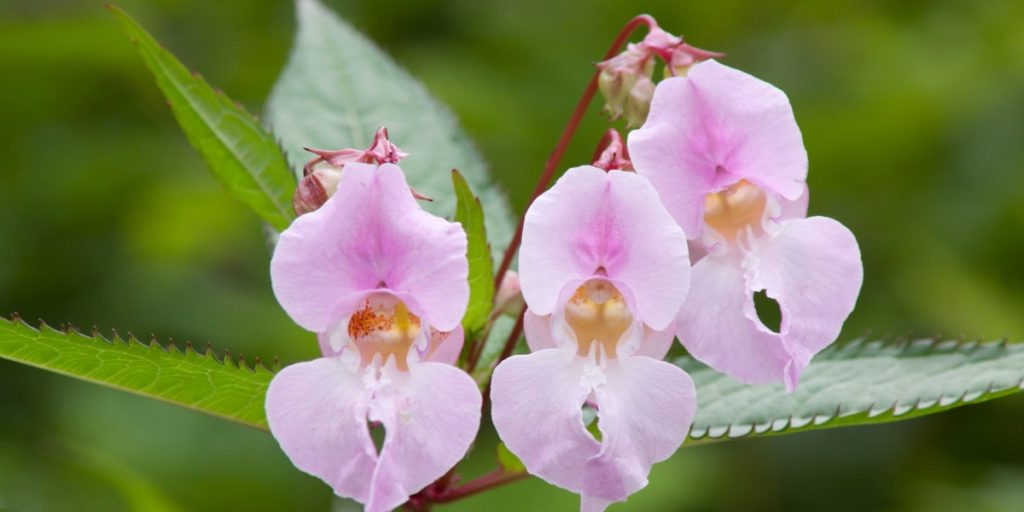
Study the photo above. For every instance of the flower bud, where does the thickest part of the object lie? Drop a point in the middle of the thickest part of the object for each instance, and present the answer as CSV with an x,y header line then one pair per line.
x,y
315,188
381,151
611,153
509,298
639,102
660,42
618,76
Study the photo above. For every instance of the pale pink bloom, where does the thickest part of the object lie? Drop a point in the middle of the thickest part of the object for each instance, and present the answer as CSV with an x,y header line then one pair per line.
x,y
727,158
604,270
384,282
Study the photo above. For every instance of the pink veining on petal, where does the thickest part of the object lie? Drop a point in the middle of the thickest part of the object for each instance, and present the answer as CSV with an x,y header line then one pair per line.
x,y
370,235
593,222
712,128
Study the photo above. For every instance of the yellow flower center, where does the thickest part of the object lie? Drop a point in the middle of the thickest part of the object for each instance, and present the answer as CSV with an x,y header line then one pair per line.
x,y
597,313
384,326
732,210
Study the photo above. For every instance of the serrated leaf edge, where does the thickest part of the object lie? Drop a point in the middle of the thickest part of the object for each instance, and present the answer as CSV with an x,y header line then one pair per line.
x,y
858,346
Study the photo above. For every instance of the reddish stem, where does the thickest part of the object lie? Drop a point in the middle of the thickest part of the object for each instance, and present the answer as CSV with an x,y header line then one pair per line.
x,y
491,480
566,137
440,491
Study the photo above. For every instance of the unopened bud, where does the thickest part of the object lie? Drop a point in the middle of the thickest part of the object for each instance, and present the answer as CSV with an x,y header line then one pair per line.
x,y
661,42
381,151
619,74
611,153
509,298
639,102
615,89
315,189
684,56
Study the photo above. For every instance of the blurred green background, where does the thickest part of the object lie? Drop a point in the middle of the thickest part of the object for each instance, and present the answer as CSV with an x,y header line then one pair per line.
x,y
912,112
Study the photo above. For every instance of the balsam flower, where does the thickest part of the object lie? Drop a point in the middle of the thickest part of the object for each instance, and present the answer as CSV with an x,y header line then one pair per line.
x,y
604,270
384,282
727,158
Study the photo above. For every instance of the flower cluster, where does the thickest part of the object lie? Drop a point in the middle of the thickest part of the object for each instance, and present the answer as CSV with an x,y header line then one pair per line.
x,y
667,235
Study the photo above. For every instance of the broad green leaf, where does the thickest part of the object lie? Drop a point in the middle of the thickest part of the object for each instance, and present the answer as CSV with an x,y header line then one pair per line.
x,y
469,213
858,383
190,379
241,154
338,88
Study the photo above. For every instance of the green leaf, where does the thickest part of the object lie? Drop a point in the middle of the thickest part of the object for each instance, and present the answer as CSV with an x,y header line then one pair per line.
x,y
858,383
190,379
470,214
508,460
338,88
241,154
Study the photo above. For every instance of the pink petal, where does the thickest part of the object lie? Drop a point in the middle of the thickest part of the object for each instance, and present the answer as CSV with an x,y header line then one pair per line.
x,y
656,344
445,347
795,208
538,331
593,222
644,412
323,339
812,267
712,128
317,412
370,235
431,415
714,328
536,411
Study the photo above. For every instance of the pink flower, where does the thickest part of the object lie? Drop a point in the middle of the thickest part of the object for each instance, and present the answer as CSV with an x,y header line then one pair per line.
x,y
385,283
726,156
604,270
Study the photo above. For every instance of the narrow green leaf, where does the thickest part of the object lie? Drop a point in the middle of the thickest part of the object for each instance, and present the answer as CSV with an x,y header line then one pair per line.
x,y
470,214
858,383
190,379
241,154
338,88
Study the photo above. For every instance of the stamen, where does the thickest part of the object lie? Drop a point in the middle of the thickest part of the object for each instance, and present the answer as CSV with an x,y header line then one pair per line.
x,y
384,326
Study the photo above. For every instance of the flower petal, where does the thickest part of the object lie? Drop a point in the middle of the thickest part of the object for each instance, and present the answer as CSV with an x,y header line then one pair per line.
x,y
656,344
445,347
536,411
323,339
317,412
644,412
714,328
813,268
431,415
538,331
370,235
594,221
712,128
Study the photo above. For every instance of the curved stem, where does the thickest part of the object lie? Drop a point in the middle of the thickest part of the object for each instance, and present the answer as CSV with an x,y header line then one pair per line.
x,y
566,137
491,480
